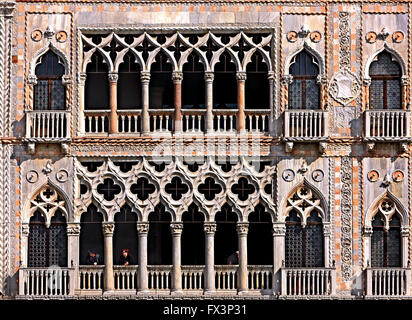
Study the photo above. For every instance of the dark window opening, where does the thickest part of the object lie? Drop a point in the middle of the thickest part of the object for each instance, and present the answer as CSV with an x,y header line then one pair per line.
x,y
108,189
97,84
129,85
226,238
304,92
125,166
125,235
92,166
49,92
385,91
193,84
193,238
260,238
225,83
176,188
91,235
243,189
159,242
209,188
257,84
143,188
161,84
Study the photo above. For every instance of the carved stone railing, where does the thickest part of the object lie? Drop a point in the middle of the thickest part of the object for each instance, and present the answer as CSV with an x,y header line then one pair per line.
x,y
387,125
159,277
260,277
387,282
306,125
48,126
46,281
193,120
96,121
129,121
308,281
226,277
126,277
257,120
192,277
224,120
91,278
161,121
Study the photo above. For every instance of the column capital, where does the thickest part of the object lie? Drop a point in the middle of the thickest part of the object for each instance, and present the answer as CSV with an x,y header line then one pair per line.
x,y
241,76
81,78
242,228
209,227
367,82
177,77
25,229
278,229
108,228
321,79
209,76
176,228
66,79
367,231
73,228
113,77
326,230
287,79
405,80
405,231
32,80
145,76
271,75
143,227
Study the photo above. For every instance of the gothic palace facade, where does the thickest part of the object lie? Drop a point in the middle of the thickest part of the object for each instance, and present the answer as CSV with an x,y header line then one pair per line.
x,y
185,131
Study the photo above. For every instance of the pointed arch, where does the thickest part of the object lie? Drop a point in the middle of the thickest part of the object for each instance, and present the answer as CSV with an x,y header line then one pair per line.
x,y
49,47
395,55
312,52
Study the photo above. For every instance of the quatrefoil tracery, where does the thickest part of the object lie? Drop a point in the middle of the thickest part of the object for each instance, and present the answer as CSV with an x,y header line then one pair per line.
x,y
304,200
48,201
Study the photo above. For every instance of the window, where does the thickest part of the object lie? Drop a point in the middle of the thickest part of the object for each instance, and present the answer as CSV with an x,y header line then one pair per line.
x,y
49,92
91,235
386,244
128,85
304,92
161,84
225,83
97,81
385,91
304,246
257,84
193,85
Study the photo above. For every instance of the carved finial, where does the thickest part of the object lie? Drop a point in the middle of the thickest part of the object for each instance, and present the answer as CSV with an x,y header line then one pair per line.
x,y
49,33
304,168
384,33
386,181
304,31
48,168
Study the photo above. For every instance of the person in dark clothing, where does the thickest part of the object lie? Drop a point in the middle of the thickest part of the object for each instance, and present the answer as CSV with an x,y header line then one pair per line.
x,y
93,258
125,258
233,258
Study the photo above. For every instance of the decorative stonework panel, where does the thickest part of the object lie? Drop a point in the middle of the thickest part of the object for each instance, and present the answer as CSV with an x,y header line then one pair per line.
x,y
346,218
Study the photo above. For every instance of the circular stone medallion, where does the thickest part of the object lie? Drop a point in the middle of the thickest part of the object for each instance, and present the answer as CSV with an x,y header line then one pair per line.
x,y
288,175
373,175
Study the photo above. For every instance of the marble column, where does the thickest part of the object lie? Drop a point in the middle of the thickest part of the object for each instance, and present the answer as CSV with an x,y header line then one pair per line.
x,y
278,232
145,118
176,229
404,246
209,77
177,78
321,81
210,229
367,235
405,86
113,77
242,231
142,231
366,85
108,229
326,239
25,230
271,79
241,118
73,246
81,87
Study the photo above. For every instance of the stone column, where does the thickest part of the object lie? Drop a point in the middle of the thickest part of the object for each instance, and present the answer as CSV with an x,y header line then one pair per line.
x,y
113,77
145,119
287,80
177,78
278,232
142,231
326,239
81,80
209,76
210,229
176,229
242,230
405,86
366,85
405,248
25,230
367,234
73,237
241,118
108,229
271,79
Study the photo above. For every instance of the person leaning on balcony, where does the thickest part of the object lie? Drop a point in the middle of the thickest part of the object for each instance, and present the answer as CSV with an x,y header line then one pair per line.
x,y
233,258
93,258
125,258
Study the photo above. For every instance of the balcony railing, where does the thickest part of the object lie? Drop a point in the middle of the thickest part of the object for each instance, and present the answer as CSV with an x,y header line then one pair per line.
x,y
126,277
46,281
96,121
48,126
306,125
193,277
387,125
260,277
91,278
159,277
226,277
308,281
387,281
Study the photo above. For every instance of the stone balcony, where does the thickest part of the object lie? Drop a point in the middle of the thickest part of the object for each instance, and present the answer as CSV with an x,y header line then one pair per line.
x,y
306,126
387,282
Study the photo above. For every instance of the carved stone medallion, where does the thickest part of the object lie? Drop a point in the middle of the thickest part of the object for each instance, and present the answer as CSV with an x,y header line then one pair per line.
x,y
373,175
398,176
318,175
62,175
32,176
344,86
288,175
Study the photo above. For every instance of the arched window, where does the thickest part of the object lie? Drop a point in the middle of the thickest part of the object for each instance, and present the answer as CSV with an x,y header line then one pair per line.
x,y
193,238
386,244
260,239
97,81
304,246
193,84
49,92
225,83
304,91
159,240
257,84
125,235
226,238
91,235
385,91
128,85
47,246
161,84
